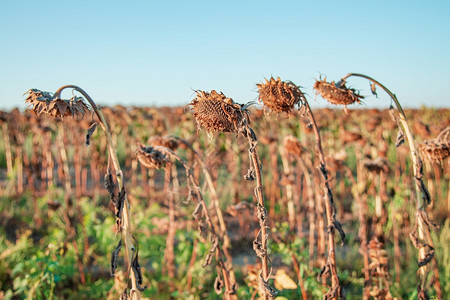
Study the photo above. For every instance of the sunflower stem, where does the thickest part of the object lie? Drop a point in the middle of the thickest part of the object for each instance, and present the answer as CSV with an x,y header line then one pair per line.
x,y
126,224
421,190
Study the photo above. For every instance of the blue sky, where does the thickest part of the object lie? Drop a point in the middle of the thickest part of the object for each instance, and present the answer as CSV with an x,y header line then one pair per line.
x,y
158,52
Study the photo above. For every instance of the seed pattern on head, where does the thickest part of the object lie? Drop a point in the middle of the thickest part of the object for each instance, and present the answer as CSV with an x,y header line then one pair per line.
x,y
215,112
437,149
279,96
45,102
150,157
336,93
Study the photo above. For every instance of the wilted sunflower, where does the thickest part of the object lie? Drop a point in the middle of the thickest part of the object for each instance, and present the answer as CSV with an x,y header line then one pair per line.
x,y
437,149
336,93
377,165
44,102
150,157
280,96
292,145
216,112
166,141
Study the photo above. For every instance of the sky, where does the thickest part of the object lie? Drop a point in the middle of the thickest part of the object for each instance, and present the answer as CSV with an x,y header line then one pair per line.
x,y
157,53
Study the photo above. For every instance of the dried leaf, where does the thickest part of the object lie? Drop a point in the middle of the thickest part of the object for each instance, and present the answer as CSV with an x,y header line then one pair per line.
x,y
428,257
90,132
218,285
392,113
400,138
250,176
124,295
269,291
212,251
110,186
338,226
120,202
197,209
373,89
114,258
137,267
283,281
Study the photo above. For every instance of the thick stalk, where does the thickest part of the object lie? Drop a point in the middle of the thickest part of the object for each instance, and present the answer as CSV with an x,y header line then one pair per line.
x,y
126,225
260,246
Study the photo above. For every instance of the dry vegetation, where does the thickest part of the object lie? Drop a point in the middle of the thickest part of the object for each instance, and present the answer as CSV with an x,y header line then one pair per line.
x,y
254,208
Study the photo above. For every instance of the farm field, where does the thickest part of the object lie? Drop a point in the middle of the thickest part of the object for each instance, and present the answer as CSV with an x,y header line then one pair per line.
x,y
195,214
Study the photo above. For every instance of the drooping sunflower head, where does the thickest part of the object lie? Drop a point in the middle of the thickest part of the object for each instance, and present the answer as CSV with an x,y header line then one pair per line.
x,y
215,112
336,93
46,103
278,95
150,157
437,149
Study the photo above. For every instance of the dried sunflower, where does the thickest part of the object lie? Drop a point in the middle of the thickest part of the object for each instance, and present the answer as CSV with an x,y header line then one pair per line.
x,y
438,148
215,112
165,141
45,102
292,145
150,157
280,96
336,93
377,165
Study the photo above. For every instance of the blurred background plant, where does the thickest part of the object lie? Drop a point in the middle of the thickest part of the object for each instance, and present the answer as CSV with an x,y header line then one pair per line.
x,y
38,261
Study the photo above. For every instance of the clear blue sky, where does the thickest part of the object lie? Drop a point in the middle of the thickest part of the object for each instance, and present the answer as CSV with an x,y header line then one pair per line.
x,y
157,52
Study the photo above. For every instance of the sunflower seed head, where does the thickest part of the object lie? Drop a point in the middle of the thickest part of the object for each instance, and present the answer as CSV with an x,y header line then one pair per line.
x,y
44,102
336,93
278,95
292,145
377,165
215,112
150,157
165,141
437,149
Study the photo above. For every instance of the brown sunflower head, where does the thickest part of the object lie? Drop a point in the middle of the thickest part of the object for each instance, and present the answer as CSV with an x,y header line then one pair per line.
x,y
336,93
292,145
280,96
215,112
44,102
166,141
151,158
438,148
377,165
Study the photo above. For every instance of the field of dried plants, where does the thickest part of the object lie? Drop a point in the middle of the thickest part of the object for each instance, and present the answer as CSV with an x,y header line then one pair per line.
x,y
221,200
